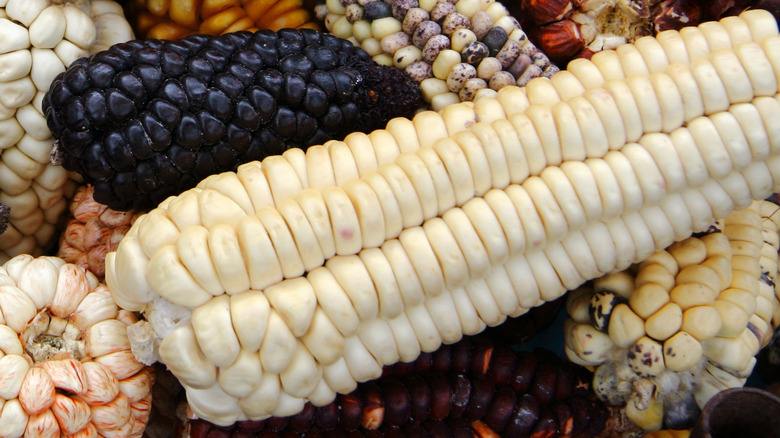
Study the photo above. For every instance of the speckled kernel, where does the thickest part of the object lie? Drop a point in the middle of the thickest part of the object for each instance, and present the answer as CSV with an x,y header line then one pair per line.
x,y
471,88
424,32
454,22
646,357
442,10
509,53
402,7
419,70
481,23
413,18
501,79
474,52
437,43
531,72
353,12
601,305
459,74
395,41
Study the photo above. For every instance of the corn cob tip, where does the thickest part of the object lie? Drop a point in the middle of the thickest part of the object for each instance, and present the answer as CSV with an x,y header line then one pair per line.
x,y
387,92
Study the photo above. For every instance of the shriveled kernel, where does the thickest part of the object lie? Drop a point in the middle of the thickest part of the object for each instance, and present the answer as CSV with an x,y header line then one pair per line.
x,y
460,38
424,32
453,22
501,79
434,46
471,88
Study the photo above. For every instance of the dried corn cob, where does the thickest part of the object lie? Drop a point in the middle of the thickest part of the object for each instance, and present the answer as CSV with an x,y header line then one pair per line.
x,y
66,366
93,231
198,299
687,324
39,39
148,119
172,19
454,49
469,388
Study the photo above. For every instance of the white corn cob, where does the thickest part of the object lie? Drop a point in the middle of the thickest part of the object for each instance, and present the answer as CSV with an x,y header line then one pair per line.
x,y
231,235
695,311
63,340
454,49
41,38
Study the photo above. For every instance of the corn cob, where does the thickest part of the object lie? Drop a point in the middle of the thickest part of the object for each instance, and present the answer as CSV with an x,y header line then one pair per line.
x,y
148,119
454,49
66,368
468,200
687,324
40,38
173,19
93,231
469,388
566,30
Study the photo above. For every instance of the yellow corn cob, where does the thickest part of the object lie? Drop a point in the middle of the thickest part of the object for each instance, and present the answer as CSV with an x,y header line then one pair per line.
x,y
701,308
404,251
171,19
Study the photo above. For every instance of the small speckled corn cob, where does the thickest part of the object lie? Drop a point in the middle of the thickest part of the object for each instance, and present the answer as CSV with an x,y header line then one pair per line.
x,y
454,49
172,19
470,388
685,323
93,231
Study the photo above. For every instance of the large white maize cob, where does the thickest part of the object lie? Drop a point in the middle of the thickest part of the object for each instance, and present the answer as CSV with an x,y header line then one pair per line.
x,y
435,243
700,309
66,368
39,39
454,49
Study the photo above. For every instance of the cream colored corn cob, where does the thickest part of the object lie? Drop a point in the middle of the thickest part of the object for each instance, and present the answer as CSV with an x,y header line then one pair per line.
x,y
435,243
66,368
687,323
39,39
454,49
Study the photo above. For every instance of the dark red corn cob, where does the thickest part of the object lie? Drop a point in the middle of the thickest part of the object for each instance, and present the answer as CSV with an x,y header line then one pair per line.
x,y
473,388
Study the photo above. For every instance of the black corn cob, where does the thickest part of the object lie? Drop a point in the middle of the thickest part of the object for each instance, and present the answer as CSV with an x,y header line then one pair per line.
x,y
468,389
148,119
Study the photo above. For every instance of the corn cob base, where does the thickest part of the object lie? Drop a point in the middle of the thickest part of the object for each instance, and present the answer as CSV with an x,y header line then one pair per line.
x,y
684,324
428,247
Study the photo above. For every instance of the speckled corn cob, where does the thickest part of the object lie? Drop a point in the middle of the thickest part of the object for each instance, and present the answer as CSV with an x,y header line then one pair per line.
x,y
685,323
470,388
93,231
454,49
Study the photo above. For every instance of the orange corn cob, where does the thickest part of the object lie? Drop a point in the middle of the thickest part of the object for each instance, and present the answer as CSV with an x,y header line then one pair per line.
x,y
171,19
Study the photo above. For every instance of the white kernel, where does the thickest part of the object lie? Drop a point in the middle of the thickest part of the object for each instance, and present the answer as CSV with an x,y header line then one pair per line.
x,y
431,87
372,46
383,59
361,30
385,26
488,67
342,28
444,62
444,99
461,37
405,56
